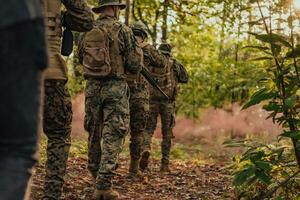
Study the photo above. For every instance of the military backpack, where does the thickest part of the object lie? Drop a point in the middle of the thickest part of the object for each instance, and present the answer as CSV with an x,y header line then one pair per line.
x,y
101,54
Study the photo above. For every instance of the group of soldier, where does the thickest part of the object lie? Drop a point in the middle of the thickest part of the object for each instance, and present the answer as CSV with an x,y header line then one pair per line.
x,y
117,64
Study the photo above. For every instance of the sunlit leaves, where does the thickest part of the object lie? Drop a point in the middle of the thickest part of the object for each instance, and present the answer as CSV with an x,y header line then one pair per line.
x,y
259,96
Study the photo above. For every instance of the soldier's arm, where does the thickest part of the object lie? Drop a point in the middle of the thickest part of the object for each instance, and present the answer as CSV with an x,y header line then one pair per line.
x,y
154,57
78,16
131,52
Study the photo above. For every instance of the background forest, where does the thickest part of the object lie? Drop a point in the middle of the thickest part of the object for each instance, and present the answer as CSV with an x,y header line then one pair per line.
x,y
239,54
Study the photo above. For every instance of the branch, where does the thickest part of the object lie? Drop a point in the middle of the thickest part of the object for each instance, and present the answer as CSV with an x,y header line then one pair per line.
x,y
283,183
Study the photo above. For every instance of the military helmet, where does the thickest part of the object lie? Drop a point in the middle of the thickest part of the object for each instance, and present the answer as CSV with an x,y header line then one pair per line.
x,y
140,27
165,48
103,3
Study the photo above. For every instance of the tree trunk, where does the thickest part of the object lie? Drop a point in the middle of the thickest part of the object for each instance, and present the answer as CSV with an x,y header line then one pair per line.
x,y
222,35
165,21
127,12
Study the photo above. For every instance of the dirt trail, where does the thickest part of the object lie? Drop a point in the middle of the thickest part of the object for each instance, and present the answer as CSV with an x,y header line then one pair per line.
x,y
187,181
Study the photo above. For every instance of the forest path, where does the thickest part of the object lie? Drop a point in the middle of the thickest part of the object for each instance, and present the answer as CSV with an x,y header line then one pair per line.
x,y
186,181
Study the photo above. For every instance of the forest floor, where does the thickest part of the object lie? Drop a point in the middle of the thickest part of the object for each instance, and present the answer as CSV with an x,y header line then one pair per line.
x,y
199,159
194,175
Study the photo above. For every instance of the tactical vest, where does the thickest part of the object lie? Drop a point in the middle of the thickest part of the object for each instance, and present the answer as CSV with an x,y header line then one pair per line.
x,y
137,79
107,54
165,79
57,66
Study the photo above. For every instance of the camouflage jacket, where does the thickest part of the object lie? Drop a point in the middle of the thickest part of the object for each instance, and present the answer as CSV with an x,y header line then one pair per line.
x,y
13,11
168,79
78,17
152,58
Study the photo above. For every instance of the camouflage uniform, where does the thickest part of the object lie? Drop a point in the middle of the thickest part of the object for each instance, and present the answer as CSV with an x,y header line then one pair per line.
x,y
23,55
139,95
57,115
107,97
167,79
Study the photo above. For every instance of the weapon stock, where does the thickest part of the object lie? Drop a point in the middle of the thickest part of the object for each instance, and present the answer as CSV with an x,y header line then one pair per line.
x,y
153,82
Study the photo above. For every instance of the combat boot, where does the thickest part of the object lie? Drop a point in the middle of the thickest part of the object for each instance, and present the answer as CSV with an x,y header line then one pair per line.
x,y
164,168
134,171
144,162
108,194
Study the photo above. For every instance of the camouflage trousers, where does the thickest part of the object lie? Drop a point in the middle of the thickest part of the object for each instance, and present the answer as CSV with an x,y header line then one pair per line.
x,y
139,109
57,127
166,111
107,122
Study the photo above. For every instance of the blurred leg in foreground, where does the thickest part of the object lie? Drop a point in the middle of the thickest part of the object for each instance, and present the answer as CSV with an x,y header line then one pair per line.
x,y
22,56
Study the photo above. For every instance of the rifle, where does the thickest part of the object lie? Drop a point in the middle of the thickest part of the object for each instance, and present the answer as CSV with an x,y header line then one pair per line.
x,y
148,76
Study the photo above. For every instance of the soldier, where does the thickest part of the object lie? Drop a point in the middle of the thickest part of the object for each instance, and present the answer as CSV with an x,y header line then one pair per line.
x,y
57,103
139,95
106,53
23,56
168,79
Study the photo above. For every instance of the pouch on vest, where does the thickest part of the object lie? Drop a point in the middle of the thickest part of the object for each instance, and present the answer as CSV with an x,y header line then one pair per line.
x,y
96,58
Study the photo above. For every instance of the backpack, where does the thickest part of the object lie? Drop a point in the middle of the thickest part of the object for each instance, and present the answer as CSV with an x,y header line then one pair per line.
x,y
180,72
96,58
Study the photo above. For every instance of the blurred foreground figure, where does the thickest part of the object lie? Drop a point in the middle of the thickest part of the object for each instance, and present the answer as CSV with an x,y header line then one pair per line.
x,y
23,56
57,116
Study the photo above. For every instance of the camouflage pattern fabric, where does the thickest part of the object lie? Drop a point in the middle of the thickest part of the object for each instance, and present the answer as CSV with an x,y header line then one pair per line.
x,y
57,127
139,109
166,111
57,105
107,121
153,58
139,102
107,104
78,16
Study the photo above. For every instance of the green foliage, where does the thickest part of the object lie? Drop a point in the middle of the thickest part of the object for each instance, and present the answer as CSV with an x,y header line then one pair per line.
x,y
264,171
76,82
76,85
213,82
262,168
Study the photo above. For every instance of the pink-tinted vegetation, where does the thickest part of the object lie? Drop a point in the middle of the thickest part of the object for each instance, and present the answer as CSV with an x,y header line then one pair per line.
x,y
214,123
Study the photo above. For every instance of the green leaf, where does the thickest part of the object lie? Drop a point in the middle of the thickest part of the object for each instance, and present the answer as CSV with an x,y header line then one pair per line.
x,y
262,58
291,101
257,156
241,177
263,177
272,106
291,134
263,165
256,47
258,97
272,39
